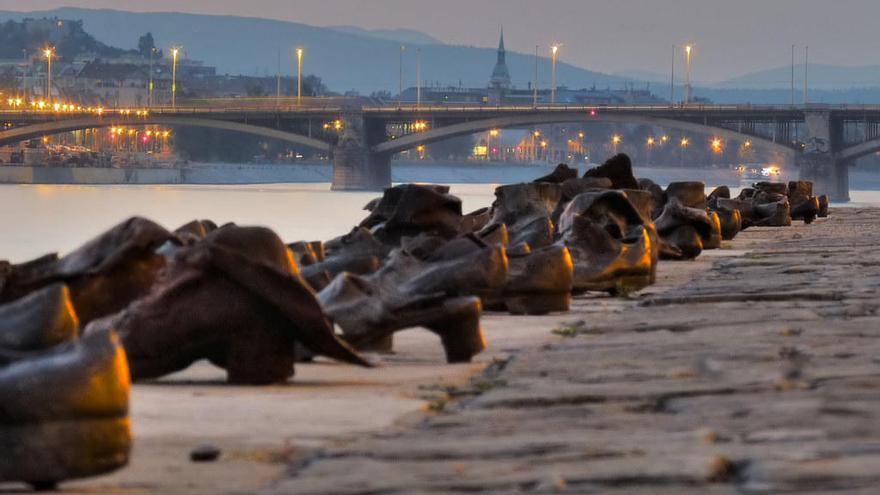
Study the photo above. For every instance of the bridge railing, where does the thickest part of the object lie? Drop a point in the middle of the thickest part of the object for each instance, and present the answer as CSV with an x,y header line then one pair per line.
x,y
340,105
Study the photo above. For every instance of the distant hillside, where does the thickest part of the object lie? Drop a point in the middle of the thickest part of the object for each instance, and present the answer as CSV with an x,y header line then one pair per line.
x,y
344,60
407,36
820,76
68,38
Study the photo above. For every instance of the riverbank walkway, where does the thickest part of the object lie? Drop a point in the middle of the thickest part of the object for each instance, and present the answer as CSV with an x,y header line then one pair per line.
x,y
760,374
752,369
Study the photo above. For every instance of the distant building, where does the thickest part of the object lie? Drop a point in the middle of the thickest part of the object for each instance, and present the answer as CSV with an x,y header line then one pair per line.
x,y
500,74
501,90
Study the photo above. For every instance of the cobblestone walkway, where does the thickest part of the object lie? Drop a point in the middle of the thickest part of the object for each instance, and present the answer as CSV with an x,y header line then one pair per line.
x,y
761,375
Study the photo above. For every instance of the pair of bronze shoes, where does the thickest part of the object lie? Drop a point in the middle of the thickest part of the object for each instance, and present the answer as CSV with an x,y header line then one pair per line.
x,y
64,412
685,225
235,298
613,244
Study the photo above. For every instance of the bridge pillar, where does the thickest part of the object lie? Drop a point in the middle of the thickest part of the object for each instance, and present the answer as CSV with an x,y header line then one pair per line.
x,y
355,167
818,162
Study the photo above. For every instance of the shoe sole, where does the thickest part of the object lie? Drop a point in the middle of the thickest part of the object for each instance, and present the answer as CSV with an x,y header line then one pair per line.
x,y
43,454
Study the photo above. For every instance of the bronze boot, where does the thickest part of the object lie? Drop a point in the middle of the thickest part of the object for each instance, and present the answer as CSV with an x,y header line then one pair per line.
x,y
65,412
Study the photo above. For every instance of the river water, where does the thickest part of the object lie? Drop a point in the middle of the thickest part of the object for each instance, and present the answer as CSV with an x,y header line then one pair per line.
x,y
38,219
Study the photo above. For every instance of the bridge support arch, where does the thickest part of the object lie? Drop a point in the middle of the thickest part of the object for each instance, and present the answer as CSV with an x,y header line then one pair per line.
x,y
355,166
819,163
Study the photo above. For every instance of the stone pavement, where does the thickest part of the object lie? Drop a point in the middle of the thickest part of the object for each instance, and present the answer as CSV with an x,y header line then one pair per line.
x,y
759,375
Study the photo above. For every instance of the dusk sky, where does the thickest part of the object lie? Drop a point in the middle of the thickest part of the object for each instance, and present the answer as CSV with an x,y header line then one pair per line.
x,y
732,37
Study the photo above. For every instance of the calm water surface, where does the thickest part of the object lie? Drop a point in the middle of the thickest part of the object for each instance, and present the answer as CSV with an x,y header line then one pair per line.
x,y
38,219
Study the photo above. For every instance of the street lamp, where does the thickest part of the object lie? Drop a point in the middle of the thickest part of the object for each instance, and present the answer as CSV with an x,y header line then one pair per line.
x,y
48,53
299,85
418,78
687,87
685,142
493,133
400,77
150,90
554,50
650,143
616,140
174,53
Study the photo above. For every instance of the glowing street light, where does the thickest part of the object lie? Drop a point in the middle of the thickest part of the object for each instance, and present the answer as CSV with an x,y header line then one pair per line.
x,y
554,50
685,142
616,140
174,52
651,141
716,145
299,86
687,87
49,53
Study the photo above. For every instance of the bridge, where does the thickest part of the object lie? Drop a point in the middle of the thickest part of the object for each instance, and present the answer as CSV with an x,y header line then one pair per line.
x,y
361,137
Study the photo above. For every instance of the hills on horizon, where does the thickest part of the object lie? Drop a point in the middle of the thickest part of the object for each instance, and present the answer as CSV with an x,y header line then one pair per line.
x,y
354,58
345,58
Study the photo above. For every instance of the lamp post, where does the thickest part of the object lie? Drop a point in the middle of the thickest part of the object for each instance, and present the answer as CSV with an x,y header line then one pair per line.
x,y
24,74
48,52
418,77
400,77
687,87
535,97
554,50
299,66
174,53
650,144
150,88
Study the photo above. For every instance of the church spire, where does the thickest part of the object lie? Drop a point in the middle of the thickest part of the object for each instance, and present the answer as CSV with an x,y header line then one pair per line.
x,y
500,75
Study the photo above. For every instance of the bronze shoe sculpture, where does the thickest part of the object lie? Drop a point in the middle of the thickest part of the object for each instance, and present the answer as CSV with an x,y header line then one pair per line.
x,y
691,194
410,209
804,206
687,229
538,282
105,274
823,206
235,299
611,246
64,413
657,193
618,168
526,210
357,252
560,174
409,292
41,320
730,221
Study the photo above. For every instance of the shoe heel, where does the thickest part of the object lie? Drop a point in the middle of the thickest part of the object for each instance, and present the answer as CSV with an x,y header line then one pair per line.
x,y
538,304
50,452
460,332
